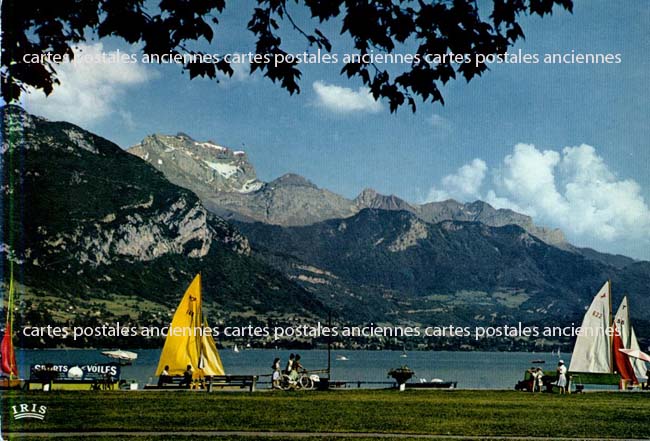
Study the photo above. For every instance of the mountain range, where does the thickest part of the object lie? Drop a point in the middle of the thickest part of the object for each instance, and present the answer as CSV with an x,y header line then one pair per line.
x,y
411,262
227,184
99,234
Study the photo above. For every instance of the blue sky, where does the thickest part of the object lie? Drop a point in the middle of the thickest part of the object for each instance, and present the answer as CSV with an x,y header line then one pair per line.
x,y
501,137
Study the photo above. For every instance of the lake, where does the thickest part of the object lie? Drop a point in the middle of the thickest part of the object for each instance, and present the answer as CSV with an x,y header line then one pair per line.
x,y
480,370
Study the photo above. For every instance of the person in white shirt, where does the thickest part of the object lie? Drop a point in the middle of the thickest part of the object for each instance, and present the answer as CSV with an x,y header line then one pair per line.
x,y
537,380
164,377
275,379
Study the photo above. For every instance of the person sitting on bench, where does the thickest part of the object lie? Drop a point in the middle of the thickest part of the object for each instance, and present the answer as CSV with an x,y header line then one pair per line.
x,y
187,377
164,377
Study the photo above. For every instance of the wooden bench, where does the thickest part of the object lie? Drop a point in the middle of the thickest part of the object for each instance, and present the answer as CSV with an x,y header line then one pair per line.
x,y
170,383
209,383
242,381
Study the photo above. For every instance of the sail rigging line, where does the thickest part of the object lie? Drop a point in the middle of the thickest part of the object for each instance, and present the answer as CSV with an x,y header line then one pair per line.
x,y
611,324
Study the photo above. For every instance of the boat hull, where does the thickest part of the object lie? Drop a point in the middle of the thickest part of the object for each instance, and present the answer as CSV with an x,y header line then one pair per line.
x,y
433,385
595,378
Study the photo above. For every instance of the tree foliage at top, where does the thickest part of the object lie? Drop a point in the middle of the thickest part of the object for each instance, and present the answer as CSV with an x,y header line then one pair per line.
x,y
373,26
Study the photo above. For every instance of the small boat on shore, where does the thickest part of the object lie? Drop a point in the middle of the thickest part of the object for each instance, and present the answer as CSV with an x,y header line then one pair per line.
x,y
403,374
435,383
597,358
601,355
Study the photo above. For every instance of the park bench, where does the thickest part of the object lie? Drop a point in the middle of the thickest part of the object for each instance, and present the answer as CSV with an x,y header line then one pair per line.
x,y
241,381
209,383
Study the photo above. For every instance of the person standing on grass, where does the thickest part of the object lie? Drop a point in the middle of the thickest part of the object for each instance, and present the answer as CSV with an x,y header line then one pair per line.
x,y
296,368
275,379
539,375
289,367
561,376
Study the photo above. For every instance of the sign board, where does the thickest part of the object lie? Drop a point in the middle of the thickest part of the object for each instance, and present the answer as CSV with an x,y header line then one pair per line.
x,y
75,372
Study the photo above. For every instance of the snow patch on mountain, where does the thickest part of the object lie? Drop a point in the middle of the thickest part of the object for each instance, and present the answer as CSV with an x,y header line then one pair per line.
x,y
225,170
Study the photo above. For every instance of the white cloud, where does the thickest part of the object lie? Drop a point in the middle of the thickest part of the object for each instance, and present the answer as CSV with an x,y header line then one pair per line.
x,y
572,189
345,100
463,185
528,178
502,202
91,87
576,191
439,122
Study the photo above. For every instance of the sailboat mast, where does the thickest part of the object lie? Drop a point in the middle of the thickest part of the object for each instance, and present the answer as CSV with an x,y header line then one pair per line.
x,y
9,328
611,323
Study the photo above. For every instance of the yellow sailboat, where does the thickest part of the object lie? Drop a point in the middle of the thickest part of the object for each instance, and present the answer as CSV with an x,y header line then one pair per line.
x,y
189,339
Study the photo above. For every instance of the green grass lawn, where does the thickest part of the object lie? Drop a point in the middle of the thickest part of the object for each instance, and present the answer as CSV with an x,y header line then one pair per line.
x,y
459,413
247,438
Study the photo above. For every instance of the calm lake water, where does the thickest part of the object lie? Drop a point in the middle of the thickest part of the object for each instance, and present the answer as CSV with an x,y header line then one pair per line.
x,y
483,370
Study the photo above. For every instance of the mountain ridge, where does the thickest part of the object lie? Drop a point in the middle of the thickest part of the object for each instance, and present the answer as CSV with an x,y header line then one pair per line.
x,y
304,203
97,234
103,232
395,253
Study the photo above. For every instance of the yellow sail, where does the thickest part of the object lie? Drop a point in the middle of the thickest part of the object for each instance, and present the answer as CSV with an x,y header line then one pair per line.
x,y
187,342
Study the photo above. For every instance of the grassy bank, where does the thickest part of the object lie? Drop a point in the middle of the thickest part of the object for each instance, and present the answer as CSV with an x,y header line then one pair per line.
x,y
460,413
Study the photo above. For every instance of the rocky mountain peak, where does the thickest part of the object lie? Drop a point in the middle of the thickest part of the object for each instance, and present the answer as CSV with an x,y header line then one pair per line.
x,y
369,198
85,221
204,164
292,179
367,193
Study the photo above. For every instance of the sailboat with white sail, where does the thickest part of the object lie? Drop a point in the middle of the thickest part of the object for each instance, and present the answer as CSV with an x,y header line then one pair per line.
x,y
597,358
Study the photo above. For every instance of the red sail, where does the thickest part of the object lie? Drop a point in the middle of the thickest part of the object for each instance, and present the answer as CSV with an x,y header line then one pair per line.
x,y
8,362
622,361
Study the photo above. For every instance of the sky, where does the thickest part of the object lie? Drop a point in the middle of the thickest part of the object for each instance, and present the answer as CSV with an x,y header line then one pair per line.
x,y
566,144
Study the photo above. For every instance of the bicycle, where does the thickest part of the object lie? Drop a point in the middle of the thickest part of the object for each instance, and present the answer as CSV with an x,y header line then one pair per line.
x,y
304,381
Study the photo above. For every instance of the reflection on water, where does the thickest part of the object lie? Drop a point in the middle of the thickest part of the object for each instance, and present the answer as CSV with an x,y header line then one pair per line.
x,y
483,370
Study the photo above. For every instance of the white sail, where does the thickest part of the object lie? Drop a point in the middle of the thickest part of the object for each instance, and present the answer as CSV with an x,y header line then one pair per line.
x,y
624,326
592,352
